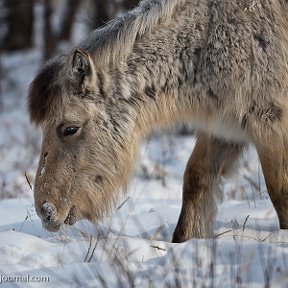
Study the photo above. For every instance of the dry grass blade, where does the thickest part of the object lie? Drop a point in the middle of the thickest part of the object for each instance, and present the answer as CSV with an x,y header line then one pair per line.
x,y
224,232
123,203
93,251
89,252
244,225
265,238
28,181
89,248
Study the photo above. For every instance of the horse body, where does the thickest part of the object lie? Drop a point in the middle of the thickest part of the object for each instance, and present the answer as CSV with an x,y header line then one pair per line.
x,y
220,64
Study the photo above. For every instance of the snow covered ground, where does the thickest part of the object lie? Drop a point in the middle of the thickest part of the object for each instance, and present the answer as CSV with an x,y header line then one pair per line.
x,y
132,247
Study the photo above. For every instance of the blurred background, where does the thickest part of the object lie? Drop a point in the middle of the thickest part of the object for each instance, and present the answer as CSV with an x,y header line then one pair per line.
x,y
47,24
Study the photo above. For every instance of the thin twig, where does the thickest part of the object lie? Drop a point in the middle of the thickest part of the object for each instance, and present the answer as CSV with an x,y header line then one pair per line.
x,y
89,248
28,181
93,251
244,225
122,204
222,233
157,247
265,238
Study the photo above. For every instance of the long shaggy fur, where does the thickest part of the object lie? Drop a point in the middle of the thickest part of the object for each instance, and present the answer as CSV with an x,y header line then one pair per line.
x,y
114,42
220,64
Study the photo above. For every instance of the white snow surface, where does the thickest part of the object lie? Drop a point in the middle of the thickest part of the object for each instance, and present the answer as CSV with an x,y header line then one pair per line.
x,y
132,247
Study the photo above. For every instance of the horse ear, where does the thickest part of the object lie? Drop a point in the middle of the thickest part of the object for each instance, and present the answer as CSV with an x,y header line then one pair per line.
x,y
81,65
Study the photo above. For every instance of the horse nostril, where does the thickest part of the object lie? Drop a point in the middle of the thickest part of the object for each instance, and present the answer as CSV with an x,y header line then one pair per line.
x,y
48,211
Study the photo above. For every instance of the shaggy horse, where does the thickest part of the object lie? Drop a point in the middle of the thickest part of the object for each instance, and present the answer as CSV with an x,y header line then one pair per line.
x,y
220,64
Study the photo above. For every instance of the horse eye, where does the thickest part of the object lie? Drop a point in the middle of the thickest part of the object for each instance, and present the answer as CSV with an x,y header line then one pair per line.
x,y
70,131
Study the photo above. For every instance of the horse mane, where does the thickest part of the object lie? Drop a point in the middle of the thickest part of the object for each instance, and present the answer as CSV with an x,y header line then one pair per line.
x,y
106,45
114,41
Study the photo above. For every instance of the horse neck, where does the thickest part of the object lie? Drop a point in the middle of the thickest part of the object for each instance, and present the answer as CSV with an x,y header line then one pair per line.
x,y
152,98
152,80
145,91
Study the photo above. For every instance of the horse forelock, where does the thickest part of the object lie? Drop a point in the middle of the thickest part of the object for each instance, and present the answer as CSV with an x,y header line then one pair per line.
x,y
45,97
